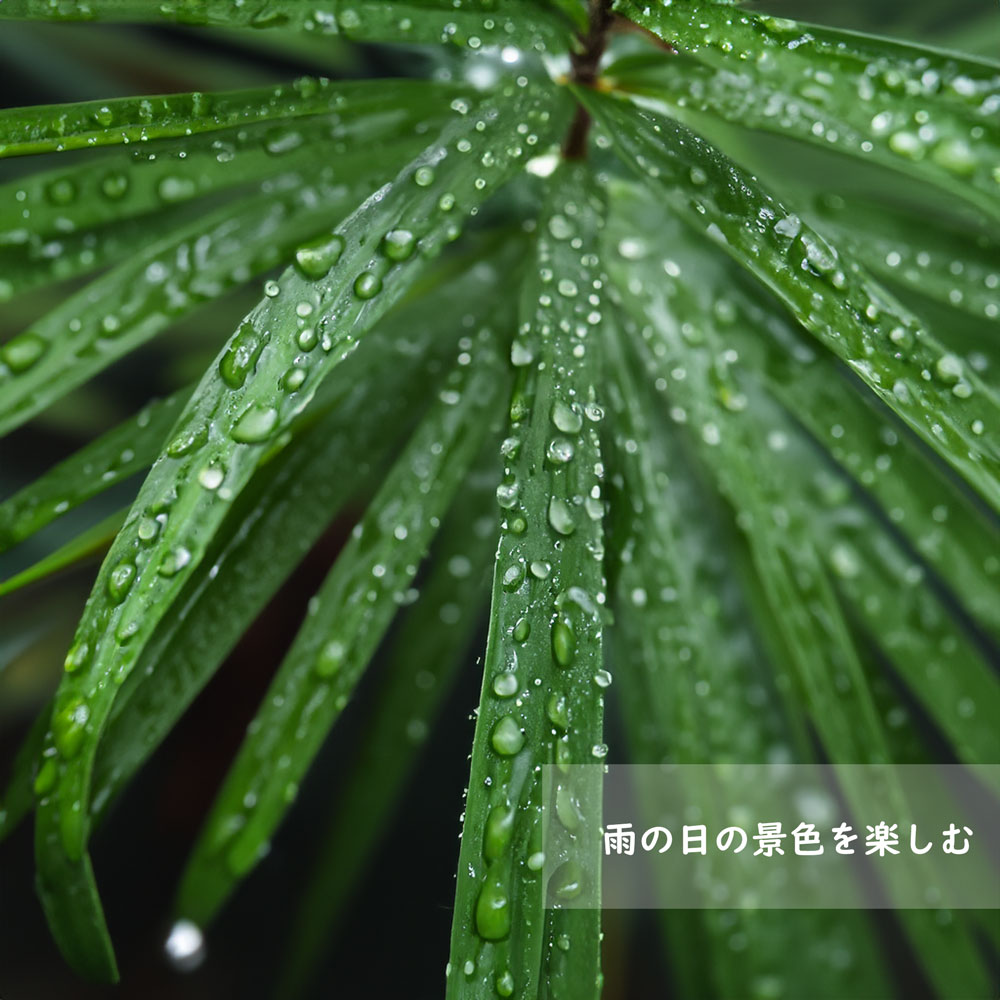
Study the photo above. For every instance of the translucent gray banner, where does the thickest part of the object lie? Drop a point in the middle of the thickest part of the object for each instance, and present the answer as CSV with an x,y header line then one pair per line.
x,y
772,836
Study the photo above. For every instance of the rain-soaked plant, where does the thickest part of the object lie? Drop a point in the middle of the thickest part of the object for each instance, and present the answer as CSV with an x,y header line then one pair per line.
x,y
741,425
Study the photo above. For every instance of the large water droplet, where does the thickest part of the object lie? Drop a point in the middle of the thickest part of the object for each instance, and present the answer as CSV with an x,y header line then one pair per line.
x,y
561,516
566,418
314,259
398,244
241,355
185,946
120,581
563,642
22,351
68,728
493,906
507,738
499,828
256,424
367,285
505,685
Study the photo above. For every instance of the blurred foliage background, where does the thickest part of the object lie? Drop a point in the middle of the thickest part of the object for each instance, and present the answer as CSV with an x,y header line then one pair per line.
x,y
396,935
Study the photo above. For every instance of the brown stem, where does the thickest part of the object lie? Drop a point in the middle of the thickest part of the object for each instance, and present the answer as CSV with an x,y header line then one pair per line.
x,y
585,64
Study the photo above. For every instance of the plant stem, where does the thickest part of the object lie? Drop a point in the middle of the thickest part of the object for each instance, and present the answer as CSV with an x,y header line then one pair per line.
x,y
585,63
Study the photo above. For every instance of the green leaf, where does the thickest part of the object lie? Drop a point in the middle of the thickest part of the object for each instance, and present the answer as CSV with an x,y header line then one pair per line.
x,y
954,267
89,124
93,541
164,281
545,624
792,573
42,262
121,452
797,503
263,380
945,402
46,206
690,666
285,511
424,656
345,623
471,23
939,520
864,96
19,795
261,542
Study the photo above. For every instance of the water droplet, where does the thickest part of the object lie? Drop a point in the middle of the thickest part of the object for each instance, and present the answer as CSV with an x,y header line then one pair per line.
x,y
513,576
331,658
187,440
367,285
602,679
68,728
423,176
507,738
499,827
398,244
256,424
505,982
566,418
241,355
493,906
115,185
148,529
505,685
563,642
907,144
61,191
185,946
557,710
76,657
560,451
522,629
174,561
22,351
211,477
45,780
949,368
507,495
173,189
561,516
540,569
120,581
314,259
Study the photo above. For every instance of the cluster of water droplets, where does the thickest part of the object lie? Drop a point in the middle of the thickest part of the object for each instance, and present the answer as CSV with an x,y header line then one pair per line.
x,y
840,91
